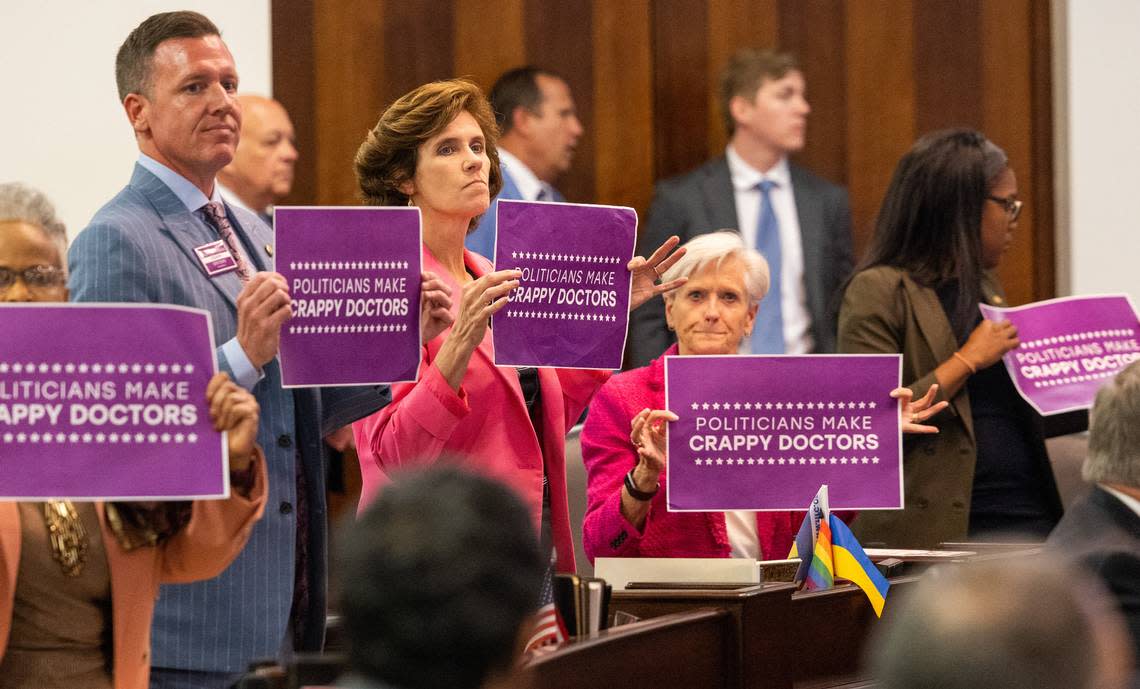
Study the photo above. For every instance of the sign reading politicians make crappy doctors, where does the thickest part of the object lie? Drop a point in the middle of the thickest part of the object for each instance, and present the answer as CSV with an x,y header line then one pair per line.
x,y
764,432
1069,348
571,308
107,402
354,277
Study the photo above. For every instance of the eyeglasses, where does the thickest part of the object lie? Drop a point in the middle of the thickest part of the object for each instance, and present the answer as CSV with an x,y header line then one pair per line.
x,y
36,278
1011,205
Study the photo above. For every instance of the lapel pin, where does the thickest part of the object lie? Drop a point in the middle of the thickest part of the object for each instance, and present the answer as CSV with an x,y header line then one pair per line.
x,y
269,249
997,299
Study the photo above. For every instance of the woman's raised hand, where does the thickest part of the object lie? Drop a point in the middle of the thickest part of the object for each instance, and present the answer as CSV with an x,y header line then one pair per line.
x,y
647,433
647,271
234,410
480,299
914,411
435,306
989,341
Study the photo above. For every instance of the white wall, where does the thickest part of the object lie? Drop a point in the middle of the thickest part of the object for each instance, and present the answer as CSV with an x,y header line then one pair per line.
x,y
1097,70
62,128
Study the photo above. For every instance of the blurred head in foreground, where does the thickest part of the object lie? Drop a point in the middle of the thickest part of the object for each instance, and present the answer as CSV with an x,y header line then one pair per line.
x,y
1010,624
441,576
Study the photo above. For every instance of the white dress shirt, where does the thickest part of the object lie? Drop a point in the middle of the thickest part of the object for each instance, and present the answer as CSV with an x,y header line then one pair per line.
x,y
528,183
793,294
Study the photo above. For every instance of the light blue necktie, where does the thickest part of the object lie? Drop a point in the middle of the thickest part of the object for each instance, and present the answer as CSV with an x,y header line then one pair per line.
x,y
768,332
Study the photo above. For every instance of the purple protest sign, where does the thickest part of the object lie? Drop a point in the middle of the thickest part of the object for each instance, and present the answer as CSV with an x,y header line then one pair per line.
x,y
571,309
107,401
765,432
354,276
1069,348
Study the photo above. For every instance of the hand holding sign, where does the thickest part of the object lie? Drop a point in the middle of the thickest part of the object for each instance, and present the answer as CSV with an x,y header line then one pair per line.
x,y
646,272
988,343
481,298
235,412
262,307
435,306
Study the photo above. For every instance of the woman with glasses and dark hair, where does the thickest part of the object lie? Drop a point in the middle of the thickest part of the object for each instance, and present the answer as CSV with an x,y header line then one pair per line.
x,y
947,217
78,580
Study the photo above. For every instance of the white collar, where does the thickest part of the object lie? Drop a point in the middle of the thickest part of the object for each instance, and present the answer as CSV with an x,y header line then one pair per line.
x,y
1128,500
232,198
190,195
745,177
524,178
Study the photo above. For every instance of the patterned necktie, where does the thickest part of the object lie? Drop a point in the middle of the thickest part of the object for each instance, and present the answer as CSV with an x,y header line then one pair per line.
x,y
216,216
768,332
543,195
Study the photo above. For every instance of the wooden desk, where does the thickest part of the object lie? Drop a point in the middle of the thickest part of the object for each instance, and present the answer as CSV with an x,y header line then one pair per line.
x,y
687,650
786,638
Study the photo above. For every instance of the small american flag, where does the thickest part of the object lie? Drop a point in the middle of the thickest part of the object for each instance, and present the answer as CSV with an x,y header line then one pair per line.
x,y
549,628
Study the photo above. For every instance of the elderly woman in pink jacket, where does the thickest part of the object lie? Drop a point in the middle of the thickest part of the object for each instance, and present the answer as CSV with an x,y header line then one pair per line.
x,y
623,439
434,148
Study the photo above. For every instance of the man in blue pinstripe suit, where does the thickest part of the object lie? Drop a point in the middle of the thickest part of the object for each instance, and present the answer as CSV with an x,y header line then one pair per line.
x,y
178,83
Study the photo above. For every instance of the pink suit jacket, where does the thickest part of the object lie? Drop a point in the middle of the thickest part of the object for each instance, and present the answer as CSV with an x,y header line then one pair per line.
x,y
484,427
217,532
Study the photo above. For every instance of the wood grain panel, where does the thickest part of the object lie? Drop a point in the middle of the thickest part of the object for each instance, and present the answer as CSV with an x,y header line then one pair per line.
x,y
294,83
418,45
559,36
681,71
947,64
350,74
1041,147
811,30
1007,102
488,39
732,25
623,104
880,104
644,75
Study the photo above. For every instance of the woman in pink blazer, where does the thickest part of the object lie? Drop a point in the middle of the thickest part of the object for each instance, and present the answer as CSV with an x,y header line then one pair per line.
x,y
434,148
63,599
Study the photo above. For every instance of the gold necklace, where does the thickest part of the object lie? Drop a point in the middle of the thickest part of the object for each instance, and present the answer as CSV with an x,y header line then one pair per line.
x,y
68,537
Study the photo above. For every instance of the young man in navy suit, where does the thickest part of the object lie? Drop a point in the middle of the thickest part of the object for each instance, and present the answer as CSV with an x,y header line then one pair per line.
x,y
800,222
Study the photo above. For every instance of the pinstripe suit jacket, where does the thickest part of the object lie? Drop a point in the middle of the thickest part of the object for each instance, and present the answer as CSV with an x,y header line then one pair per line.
x,y
140,248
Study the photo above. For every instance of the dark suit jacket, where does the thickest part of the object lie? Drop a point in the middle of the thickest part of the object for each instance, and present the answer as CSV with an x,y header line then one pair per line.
x,y
140,248
1103,534
703,201
885,311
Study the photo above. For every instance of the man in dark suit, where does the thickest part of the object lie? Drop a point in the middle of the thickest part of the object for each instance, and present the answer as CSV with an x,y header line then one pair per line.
x,y
539,130
178,85
798,221
1102,531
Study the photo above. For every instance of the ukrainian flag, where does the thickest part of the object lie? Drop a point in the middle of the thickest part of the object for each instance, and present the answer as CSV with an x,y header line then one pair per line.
x,y
850,562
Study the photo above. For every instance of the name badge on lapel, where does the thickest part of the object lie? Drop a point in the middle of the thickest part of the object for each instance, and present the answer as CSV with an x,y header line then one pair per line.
x,y
216,258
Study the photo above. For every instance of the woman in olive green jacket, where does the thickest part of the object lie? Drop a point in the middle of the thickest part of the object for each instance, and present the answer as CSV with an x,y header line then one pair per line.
x,y
945,221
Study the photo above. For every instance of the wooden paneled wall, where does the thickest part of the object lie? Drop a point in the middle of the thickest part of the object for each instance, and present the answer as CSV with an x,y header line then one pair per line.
x,y
644,75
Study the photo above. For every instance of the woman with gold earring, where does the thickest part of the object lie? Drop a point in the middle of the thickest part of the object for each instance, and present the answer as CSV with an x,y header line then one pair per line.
x,y
78,580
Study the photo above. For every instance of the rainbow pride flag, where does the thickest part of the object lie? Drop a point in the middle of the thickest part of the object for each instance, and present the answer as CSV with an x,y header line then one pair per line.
x,y
835,554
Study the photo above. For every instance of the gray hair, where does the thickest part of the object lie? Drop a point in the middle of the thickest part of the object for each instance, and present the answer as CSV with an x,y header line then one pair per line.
x,y
983,626
22,203
713,249
1114,431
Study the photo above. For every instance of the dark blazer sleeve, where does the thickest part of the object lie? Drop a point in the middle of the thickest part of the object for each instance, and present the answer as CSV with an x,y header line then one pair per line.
x,y
648,334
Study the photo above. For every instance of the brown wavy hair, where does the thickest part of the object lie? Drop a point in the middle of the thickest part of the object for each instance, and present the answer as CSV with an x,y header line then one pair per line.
x,y
389,154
